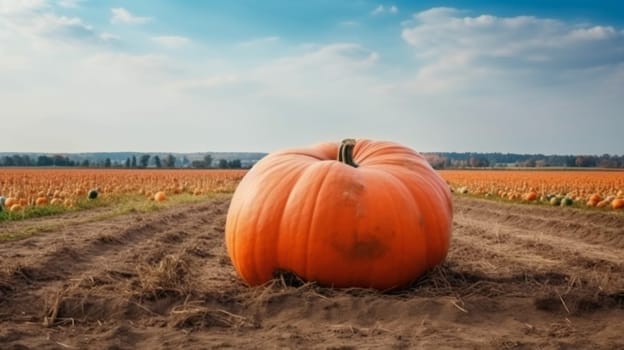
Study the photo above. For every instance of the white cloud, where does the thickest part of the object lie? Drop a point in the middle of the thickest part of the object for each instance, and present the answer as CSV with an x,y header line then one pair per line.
x,y
207,83
594,33
35,27
171,41
144,68
382,9
305,74
337,56
109,37
451,48
69,3
20,6
260,41
61,25
336,72
379,9
121,15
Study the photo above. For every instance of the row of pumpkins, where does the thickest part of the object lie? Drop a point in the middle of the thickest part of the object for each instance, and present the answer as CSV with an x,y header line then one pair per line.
x,y
17,204
595,200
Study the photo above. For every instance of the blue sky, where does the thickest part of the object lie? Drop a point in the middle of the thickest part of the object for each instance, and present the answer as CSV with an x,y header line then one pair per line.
x,y
186,76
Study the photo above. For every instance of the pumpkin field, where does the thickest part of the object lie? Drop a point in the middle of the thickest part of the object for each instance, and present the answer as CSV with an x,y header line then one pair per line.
x,y
589,188
131,270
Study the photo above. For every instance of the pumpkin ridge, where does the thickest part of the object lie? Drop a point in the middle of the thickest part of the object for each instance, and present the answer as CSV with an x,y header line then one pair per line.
x,y
438,186
313,220
284,261
281,261
417,207
399,186
303,168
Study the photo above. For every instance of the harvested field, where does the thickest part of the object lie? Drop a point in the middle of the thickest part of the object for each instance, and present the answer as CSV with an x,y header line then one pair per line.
x,y
517,277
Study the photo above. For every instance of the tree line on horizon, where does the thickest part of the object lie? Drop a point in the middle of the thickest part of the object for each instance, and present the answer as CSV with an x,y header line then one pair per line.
x,y
440,160
455,160
143,161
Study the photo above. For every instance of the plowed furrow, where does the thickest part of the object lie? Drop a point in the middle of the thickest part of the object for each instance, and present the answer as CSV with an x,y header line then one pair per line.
x,y
602,228
487,239
102,252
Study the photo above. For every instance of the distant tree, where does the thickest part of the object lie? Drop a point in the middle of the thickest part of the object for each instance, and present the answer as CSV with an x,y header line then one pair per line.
x,y
144,160
18,160
157,162
184,162
107,163
85,163
169,161
570,161
606,161
133,163
585,161
207,160
59,160
234,164
198,164
127,163
8,161
44,161
529,163
24,160
223,164
435,160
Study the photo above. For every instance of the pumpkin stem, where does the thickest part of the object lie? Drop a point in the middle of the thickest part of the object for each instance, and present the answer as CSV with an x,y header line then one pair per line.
x,y
345,153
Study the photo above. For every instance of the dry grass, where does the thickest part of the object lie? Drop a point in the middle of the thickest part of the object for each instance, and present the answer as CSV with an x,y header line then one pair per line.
x,y
172,275
195,314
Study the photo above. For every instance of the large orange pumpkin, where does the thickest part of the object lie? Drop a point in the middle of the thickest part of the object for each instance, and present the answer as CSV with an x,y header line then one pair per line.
x,y
358,214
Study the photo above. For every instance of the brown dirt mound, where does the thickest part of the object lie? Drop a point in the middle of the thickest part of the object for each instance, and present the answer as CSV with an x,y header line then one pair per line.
x,y
517,277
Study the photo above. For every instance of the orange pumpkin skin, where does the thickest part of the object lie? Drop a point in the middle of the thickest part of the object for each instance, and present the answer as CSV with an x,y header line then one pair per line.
x,y
530,196
160,196
380,225
9,202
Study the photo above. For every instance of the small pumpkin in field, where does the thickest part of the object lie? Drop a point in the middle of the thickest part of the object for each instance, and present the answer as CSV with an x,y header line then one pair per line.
x,y
596,197
357,214
530,196
617,203
41,201
10,201
594,200
160,196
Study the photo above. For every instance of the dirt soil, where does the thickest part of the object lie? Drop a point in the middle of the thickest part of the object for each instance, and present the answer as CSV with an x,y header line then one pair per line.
x,y
517,277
